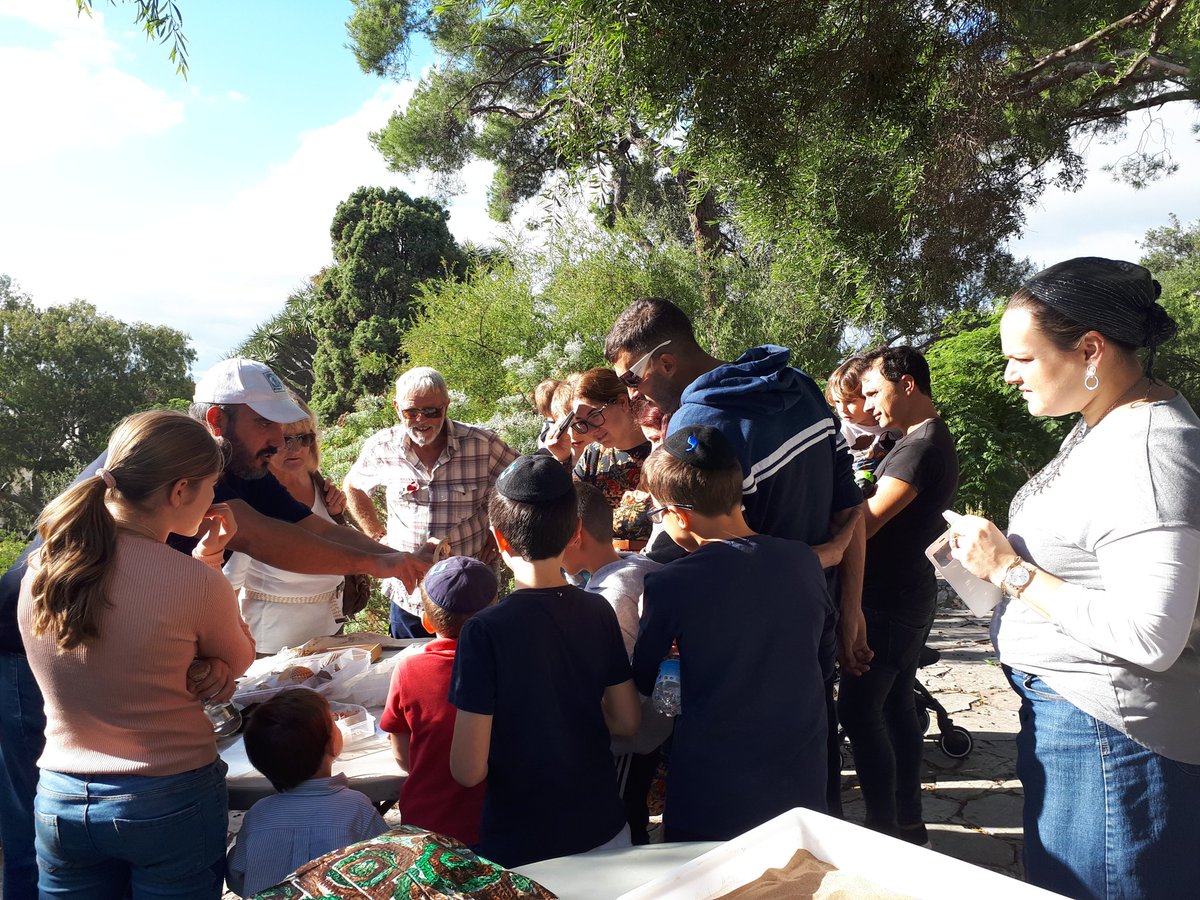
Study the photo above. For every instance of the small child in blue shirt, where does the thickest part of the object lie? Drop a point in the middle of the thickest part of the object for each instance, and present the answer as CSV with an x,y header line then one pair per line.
x,y
750,741
292,739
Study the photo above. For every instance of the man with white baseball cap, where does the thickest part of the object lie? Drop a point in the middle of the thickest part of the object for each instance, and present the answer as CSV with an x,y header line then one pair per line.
x,y
256,434
245,404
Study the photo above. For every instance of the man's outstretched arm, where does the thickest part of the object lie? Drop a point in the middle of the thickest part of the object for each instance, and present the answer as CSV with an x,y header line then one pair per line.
x,y
304,548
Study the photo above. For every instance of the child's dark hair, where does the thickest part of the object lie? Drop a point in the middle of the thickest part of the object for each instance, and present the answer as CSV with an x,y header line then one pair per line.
x,y
286,736
594,511
711,492
846,379
534,530
445,623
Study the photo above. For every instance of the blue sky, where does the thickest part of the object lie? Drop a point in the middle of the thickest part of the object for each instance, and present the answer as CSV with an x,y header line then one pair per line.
x,y
200,204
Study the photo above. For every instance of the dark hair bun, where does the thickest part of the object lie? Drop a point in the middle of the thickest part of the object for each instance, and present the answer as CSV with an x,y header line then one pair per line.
x,y
1160,327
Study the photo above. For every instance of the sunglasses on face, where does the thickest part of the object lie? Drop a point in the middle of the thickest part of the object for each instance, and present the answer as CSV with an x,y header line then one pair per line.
x,y
633,377
292,441
656,515
429,412
594,419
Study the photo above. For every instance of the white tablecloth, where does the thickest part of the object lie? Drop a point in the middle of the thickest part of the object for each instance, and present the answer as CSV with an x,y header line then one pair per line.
x,y
605,874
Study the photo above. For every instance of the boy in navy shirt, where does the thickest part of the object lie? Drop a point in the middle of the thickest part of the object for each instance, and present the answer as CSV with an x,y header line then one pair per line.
x,y
540,680
750,741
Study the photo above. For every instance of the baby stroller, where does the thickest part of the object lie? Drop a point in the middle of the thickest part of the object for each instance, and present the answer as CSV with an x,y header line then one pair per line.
x,y
953,740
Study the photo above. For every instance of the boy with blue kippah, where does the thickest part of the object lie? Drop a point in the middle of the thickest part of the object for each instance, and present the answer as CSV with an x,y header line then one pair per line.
x,y
750,742
540,681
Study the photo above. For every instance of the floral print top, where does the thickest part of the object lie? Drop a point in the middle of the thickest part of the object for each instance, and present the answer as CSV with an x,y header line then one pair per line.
x,y
616,472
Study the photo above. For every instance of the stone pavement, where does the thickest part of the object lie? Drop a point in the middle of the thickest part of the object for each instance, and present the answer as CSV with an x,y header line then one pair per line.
x,y
972,806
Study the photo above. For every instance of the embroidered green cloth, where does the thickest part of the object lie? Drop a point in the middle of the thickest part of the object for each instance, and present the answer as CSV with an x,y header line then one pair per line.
x,y
406,863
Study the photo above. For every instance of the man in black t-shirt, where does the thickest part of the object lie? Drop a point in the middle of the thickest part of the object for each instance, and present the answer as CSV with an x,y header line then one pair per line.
x,y
916,481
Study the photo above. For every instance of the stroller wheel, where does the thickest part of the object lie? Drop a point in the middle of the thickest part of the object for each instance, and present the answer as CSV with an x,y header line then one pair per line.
x,y
957,743
923,719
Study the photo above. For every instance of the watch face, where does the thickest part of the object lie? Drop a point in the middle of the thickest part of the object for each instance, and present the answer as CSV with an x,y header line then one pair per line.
x,y
1018,576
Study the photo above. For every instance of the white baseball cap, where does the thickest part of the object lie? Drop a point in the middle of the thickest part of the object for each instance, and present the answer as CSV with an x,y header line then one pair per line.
x,y
245,381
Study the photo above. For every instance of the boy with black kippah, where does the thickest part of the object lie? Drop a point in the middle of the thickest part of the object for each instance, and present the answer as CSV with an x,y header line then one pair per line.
x,y
750,743
540,680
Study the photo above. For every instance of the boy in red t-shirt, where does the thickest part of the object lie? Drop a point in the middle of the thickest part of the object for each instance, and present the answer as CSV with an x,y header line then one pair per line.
x,y
417,714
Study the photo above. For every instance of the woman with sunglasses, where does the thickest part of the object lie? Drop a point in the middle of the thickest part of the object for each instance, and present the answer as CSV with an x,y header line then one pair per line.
x,y
613,462
285,609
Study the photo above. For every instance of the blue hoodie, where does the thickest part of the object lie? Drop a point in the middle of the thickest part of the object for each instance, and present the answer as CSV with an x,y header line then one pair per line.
x,y
798,470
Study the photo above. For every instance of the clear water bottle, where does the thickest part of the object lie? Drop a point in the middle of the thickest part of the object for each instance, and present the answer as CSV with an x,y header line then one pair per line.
x,y
226,718
667,700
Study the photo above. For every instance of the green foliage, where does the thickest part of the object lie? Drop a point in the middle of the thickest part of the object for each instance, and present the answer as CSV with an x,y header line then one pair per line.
x,y
341,441
11,545
1173,255
880,152
1000,446
541,313
287,341
385,244
68,374
161,20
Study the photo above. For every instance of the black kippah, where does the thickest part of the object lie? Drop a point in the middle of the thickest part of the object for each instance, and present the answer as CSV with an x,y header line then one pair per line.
x,y
534,479
701,446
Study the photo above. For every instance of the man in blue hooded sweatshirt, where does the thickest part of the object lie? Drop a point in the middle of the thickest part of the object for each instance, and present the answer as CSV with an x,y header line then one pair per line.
x,y
798,473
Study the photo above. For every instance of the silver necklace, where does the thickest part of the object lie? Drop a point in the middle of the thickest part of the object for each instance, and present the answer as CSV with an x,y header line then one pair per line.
x,y
1053,469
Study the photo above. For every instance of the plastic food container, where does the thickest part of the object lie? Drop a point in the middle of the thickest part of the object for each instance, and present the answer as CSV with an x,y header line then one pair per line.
x,y
354,722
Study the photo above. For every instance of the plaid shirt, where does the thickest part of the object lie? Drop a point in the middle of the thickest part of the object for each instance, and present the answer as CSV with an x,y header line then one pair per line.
x,y
447,502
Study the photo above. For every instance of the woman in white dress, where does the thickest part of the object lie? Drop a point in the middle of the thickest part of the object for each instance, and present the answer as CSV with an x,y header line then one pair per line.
x,y
286,609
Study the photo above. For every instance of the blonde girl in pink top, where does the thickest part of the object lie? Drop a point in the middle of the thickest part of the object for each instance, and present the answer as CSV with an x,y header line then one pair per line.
x,y
132,799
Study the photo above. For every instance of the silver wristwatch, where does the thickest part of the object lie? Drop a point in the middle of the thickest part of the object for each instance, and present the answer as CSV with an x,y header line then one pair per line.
x,y
1017,577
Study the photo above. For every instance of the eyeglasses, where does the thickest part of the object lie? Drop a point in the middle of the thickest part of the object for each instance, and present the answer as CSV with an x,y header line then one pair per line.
x,y
655,515
633,377
292,441
429,412
594,419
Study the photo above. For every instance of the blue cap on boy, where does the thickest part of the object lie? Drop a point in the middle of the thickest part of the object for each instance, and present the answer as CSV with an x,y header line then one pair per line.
x,y
461,584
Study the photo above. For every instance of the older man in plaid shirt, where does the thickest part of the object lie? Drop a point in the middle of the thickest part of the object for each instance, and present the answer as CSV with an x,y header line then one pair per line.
x,y
437,475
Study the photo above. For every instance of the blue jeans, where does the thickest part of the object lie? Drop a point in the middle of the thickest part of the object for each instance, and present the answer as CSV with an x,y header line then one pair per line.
x,y
22,737
1104,816
878,714
116,836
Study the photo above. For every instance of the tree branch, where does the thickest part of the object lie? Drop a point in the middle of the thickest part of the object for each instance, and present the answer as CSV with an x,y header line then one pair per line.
x,y
524,115
1133,20
1111,112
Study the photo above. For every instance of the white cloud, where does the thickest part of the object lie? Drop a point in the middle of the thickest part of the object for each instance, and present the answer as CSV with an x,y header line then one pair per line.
x,y
72,95
216,270
1108,218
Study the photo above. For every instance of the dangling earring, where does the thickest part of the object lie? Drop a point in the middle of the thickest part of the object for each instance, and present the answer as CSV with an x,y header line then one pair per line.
x,y
1091,380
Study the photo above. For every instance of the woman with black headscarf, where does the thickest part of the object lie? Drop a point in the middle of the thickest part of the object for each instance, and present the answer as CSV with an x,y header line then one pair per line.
x,y
1098,632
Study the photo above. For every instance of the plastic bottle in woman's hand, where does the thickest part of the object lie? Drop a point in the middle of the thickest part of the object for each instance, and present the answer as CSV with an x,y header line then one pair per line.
x,y
226,718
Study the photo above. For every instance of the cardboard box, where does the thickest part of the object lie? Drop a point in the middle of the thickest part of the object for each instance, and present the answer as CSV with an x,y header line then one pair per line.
x,y
366,641
889,863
